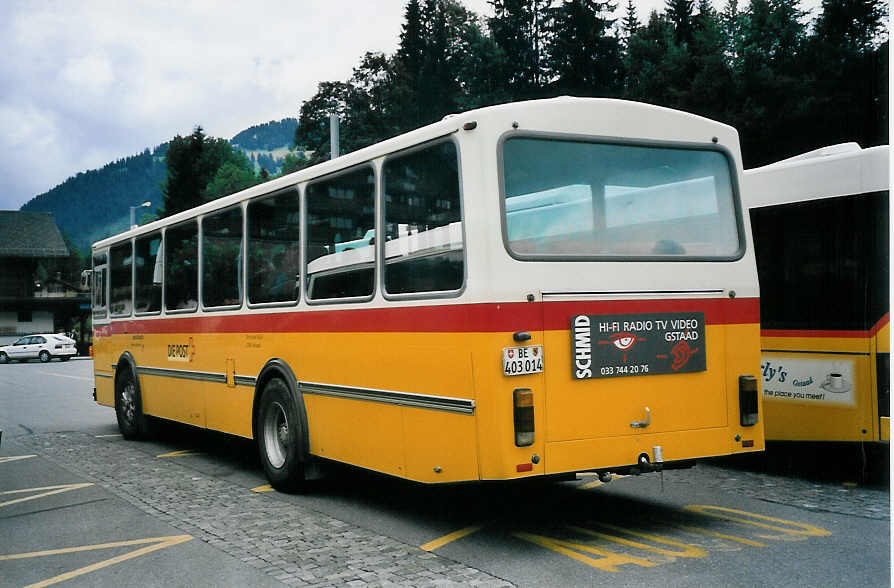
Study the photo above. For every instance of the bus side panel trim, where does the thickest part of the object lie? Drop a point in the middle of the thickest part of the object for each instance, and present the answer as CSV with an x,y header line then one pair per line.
x,y
445,403
183,374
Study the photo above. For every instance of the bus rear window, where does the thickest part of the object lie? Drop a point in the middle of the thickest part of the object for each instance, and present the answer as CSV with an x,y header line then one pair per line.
x,y
575,199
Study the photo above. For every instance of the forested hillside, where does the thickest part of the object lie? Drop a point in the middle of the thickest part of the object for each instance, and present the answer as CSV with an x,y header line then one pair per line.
x,y
96,203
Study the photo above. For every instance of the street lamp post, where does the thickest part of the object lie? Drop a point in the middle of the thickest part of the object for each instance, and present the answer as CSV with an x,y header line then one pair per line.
x,y
133,223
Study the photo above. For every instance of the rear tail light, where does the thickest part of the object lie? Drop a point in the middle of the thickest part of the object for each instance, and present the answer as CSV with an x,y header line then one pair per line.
x,y
523,412
748,401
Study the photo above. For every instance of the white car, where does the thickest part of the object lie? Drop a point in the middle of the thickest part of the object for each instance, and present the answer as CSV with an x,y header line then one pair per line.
x,y
43,347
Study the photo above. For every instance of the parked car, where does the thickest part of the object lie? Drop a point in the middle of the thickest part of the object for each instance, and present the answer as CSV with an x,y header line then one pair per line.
x,y
43,347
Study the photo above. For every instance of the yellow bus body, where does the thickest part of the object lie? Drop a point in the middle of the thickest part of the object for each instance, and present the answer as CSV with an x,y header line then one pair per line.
x,y
583,431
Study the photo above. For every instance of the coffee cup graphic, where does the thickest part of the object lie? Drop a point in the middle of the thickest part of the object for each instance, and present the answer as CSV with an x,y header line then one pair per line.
x,y
835,382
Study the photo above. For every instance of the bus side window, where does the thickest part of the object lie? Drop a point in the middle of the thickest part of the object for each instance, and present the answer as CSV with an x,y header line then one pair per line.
x,y
423,221
181,251
147,282
120,273
340,249
221,258
274,260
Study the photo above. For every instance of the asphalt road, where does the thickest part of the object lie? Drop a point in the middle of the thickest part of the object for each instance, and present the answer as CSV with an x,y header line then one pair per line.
x,y
190,508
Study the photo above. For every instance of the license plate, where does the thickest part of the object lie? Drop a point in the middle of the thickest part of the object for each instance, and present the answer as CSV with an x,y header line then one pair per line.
x,y
518,361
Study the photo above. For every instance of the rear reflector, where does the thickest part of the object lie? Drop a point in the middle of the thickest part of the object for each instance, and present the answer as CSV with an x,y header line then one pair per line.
x,y
523,415
747,442
748,401
524,467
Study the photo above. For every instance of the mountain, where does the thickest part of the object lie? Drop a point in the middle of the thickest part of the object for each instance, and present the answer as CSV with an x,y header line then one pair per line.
x,y
266,145
95,204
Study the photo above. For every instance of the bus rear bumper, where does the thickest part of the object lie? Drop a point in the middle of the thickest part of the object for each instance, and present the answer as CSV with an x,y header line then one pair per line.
x,y
644,451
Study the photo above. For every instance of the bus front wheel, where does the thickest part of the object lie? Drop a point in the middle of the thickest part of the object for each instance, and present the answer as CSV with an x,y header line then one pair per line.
x,y
280,437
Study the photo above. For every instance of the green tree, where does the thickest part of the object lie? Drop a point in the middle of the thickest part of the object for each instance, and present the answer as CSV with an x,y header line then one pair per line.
x,y
520,28
774,86
192,164
312,133
657,67
293,161
237,173
630,23
712,91
583,59
849,99
679,12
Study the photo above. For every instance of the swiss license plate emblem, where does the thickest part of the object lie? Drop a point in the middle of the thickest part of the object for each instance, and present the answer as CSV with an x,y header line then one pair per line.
x,y
518,361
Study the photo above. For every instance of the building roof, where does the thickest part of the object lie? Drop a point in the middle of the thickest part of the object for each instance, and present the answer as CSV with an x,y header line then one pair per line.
x,y
30,234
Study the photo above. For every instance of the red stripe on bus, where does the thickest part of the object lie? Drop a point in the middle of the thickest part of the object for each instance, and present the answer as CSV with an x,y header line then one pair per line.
x,y
718,311
828,333
448,318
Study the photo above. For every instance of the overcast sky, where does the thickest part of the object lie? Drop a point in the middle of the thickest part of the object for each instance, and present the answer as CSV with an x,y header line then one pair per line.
x,y
85,82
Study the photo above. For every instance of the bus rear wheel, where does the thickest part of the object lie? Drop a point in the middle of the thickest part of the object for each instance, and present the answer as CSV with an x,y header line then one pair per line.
x,y
280,437
129,407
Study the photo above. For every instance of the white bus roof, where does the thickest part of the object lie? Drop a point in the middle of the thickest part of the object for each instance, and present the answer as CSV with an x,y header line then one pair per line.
x,y
837,170
605,117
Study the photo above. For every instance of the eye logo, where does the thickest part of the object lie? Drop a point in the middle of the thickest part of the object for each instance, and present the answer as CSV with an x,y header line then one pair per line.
x,y
623,342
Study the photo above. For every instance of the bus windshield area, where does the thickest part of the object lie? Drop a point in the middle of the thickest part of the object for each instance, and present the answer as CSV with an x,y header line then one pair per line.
x,y
566,199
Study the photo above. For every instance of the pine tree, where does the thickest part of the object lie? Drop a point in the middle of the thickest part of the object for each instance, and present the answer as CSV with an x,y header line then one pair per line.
x,y
679,12
192,163
730,21
583,59
520,28
630,23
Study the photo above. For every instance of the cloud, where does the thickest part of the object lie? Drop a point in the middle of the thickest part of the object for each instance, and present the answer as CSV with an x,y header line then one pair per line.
x,y
88,82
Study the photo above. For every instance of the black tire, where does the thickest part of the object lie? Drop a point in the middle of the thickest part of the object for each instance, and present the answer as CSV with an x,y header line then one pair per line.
x,y
3,357
280,437
45,356
129,407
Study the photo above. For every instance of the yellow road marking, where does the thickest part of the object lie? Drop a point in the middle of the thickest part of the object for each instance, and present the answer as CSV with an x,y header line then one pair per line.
x,y
685,550
159,543
442,541
264,488
44,491
792,528
180,453
608,562
721,535
14,458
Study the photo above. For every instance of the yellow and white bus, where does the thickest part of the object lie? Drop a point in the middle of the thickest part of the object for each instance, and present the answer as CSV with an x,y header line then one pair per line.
x,y
821,228
531,289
